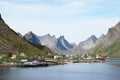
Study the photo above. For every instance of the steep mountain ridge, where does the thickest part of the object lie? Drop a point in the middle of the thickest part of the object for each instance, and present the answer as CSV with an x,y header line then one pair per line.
x,y
63,44
58,45
109,41
32,38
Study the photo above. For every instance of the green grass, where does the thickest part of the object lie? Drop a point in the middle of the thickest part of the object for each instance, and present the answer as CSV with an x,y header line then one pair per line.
x,y
112,50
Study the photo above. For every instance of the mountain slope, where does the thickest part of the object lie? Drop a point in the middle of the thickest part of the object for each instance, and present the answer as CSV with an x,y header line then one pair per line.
x,y
89,43
109,45
63,44
32,38
10,41
48,40
56,45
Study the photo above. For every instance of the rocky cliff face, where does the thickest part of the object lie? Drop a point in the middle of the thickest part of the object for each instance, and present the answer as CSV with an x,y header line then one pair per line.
x,y
63,44
48,40
32,38
100,39
57,45
89,43
112,35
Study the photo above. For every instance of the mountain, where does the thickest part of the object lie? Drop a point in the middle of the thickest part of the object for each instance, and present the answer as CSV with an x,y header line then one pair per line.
x,y
10,42
84,46
48,40
56,45
89,43
109,44
32,38
100,39
63,44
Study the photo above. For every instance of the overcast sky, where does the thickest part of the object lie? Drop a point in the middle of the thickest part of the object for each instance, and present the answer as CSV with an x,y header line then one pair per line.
x,y
75,19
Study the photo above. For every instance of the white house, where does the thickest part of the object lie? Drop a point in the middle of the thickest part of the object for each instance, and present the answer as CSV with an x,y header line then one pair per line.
x,y
23,60
89,57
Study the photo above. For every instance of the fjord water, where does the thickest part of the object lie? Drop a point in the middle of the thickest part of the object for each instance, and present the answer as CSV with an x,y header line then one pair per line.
x,y
73,71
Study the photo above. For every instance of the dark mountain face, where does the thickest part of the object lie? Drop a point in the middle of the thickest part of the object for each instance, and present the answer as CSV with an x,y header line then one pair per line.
x,y
32,38
63,44
94,39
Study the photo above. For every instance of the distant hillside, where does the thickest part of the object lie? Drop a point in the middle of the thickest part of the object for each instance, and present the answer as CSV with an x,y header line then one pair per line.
x,y
10,42
110,43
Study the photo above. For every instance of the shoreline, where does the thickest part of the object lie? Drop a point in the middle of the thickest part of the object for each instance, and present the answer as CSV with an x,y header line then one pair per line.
x,y
46,64
43,64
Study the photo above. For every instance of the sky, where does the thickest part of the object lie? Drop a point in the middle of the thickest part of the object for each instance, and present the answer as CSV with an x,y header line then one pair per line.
x,y
75,19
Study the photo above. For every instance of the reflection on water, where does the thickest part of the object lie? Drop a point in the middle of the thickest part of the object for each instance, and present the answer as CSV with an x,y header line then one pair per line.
x,y
79,71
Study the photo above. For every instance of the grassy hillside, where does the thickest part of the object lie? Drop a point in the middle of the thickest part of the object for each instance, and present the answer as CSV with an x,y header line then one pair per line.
x,y
112,50
10,42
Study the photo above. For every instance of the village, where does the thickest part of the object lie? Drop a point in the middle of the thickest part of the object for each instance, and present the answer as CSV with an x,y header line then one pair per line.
x,y
39,61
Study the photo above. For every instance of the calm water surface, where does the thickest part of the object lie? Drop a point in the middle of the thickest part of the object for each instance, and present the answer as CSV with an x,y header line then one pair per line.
x,y
78,71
